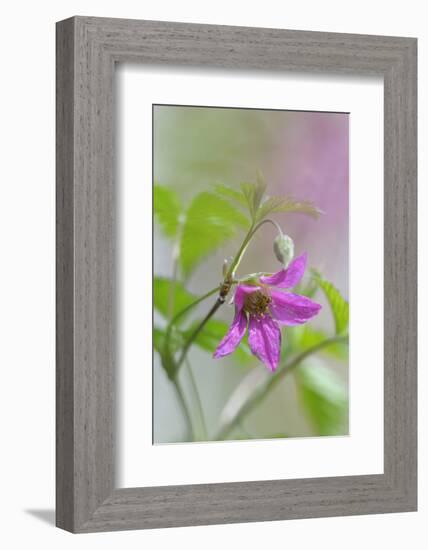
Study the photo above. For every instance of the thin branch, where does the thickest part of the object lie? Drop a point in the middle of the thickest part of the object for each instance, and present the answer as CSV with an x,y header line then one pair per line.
x,y
184,311
218,303
246,242
193,304
184,408
197,399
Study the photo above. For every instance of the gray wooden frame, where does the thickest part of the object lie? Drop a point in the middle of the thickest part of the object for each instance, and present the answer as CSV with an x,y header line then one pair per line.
x,y
87,50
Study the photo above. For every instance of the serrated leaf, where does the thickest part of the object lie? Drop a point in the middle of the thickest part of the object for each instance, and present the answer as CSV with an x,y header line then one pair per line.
x,y
324,398
248,192
167,209
210,222
165,290
260,190
274,205
339,306
231,194
253,194
212,334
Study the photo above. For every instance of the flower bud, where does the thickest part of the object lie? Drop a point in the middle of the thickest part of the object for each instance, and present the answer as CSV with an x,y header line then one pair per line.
x,y
283,247
227,262
225,267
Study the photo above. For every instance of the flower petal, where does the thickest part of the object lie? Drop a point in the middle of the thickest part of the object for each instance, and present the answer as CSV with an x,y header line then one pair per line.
x,y
233,336
264,337
241,292
292,309
287,278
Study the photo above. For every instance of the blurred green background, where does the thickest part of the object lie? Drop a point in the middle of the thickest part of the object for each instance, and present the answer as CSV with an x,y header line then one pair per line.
x,y
303,154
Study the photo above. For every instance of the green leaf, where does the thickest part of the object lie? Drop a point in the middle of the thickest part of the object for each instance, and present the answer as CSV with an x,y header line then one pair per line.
x,y
260,190
259,209
339,306
176,340
300,338
210,222
166,353
211,335
253,194
324,398
164,290
311,337
231,194
307,289
248,190
158,339
273,205
167,209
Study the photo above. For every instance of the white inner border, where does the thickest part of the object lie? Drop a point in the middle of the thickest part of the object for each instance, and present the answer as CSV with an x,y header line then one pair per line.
x,y
144,464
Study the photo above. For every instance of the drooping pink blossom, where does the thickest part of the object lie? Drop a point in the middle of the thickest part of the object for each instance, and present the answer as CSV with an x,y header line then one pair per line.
x,y
262,309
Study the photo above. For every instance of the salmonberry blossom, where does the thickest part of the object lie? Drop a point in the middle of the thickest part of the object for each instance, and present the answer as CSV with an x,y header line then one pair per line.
x,y
262,308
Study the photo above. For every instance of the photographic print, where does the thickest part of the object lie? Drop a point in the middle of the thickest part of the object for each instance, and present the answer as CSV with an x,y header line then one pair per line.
x,y
250,282
202,262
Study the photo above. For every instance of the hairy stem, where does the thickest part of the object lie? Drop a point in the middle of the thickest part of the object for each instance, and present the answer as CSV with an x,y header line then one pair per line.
x,y
260,394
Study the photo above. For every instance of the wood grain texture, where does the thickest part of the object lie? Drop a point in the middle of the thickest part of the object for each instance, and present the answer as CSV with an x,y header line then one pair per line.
x,y
64,277
87,50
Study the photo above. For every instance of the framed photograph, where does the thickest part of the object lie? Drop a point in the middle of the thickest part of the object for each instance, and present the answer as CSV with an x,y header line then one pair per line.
x,y
236,274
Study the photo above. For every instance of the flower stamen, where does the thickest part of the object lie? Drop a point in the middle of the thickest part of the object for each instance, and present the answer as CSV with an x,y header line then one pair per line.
x,y
257,303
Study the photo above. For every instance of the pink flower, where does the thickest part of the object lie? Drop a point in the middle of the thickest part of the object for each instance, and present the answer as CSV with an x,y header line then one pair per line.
x,y
263,308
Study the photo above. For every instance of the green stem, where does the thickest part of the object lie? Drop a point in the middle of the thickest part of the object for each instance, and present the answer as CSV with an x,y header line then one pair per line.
x,y
198,400
184,408
237,260
195,333
171,295
228,277
184,311
259,395
193,304
175,259
246,242
272,222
